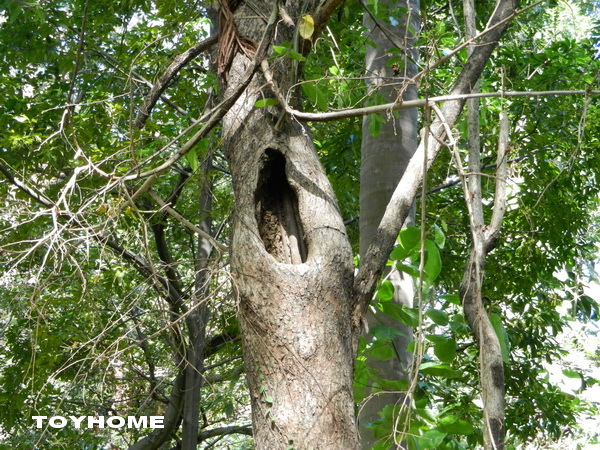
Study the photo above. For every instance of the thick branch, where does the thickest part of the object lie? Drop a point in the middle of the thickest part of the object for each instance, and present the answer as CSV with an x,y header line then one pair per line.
x,y
323,13
172,418
401,201
222,431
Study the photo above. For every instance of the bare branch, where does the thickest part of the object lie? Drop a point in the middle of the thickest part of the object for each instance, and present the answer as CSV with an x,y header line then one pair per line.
x,y
159,87
222,431
217,112
141,78
189,225
419,103
40,198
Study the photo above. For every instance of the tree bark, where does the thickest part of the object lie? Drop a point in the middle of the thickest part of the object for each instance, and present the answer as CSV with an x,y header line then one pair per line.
x,y
384,158
292,266
198,318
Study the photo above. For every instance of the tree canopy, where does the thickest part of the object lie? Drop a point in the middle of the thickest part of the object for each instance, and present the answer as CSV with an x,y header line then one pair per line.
x,y
115,237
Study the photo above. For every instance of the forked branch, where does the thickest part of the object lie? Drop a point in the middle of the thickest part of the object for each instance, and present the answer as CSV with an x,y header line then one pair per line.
x,y
402,198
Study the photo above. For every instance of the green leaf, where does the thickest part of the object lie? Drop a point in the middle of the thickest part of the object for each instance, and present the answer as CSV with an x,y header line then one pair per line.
x,y
439,370
293,54
410,237
266,102
445,350
381,331
281,49
381,350
440,237
502,337
385,291
396,385
192,159
453,425
451,298
432,438
571,373
433,263
410,269
399,253
438,317
407,316
315,95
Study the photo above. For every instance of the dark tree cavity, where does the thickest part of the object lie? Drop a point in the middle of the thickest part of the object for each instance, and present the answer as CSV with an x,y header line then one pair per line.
x,y
279,223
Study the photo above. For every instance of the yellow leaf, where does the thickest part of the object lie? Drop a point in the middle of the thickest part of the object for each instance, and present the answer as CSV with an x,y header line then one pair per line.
x,y
307,26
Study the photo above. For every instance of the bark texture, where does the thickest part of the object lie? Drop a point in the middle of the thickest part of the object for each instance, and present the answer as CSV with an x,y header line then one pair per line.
x,y
384,158
292,265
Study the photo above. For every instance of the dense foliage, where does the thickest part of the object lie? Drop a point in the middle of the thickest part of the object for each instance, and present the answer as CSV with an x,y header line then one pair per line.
x,y
86,327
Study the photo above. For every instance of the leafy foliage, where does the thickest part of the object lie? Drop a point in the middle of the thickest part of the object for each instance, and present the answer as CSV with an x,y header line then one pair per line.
x,y
87,331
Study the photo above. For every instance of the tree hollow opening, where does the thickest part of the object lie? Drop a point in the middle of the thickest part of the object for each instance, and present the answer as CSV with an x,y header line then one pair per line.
x,y
277,214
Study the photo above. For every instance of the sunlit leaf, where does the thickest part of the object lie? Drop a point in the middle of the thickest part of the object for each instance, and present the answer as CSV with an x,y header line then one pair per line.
x,y
306,27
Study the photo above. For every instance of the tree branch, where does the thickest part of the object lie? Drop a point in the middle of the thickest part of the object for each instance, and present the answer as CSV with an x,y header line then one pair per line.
x,y
400,204
172,418
189,225
159,87
217,113
418,103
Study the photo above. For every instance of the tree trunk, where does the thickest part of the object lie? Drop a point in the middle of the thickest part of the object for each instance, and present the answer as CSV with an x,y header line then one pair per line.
x,y
292,266
490,357
198,318
384,157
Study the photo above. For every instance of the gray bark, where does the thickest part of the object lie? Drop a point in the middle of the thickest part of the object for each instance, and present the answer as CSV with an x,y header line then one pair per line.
x,y
294,299
199,315
384,158
399,207
484,239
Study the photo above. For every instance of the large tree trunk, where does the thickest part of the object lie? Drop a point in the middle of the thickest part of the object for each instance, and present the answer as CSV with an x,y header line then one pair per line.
x,y
292,265
384,157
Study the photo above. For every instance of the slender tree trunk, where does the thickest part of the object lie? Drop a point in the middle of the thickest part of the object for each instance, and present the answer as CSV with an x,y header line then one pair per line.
x,y
490,356
384,157
484,239
198,318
